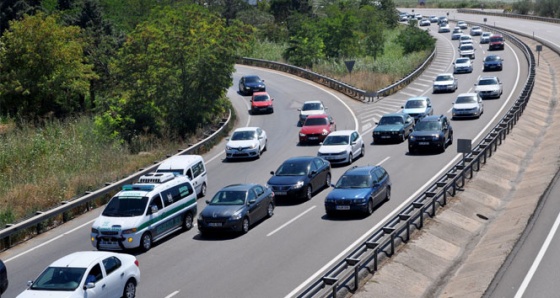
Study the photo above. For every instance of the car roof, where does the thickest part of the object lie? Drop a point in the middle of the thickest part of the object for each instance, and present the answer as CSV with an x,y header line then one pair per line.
x,y
260,93
487,77
248,128
467,94
395,114
418,98
432,118
360,170
180,159
317,116
300,159
313,101
341,132
445,74
81,259
239,186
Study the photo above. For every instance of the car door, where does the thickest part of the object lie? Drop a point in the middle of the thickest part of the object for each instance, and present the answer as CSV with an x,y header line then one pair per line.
x,y
253,205
156,227
102,287
408,125
114,275
316,175
262,138
261,202
429,109
199,176
446,130
355,140
377,189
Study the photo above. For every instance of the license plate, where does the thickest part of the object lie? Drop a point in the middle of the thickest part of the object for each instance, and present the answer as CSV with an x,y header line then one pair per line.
x,y
280,193
214,224
342,207
329,157
423,143
385,137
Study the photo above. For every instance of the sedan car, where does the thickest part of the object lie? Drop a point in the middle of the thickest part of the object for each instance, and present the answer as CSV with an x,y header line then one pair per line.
x,y
456,35
87,274
431,132
316,128
236,207
246,142
261,102
467,105
300,177
342,146
493,62
250,84
467,50
462,24
443,28
359,189
445,82
485,37
418,107
489,87
393,127
312,107
496,42
462,65
476,31
425,22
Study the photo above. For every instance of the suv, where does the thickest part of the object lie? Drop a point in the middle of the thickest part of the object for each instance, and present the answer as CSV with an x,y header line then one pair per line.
x,y
496,42
488,87
189,165
418,107
431,132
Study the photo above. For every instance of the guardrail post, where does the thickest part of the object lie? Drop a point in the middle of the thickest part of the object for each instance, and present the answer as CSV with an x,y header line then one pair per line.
x,y
374,246
39,226
432,196
421,206
406,217
354,262
390,231
331,281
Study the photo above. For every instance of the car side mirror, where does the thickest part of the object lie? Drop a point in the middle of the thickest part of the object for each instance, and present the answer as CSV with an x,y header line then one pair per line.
x,y
252,201
271,172
207,202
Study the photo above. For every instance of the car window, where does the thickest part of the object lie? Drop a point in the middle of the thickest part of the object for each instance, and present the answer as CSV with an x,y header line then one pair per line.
x,y
313,167
336,140
319,163
390,120
94,274
251,195
466,99
229,197
414,104
380,173
126,205
260,98
354,181
157,202
428,126
311,106
189,174
354,136
292,169
444,78
111,264
59,279
198,169
259,190
484,82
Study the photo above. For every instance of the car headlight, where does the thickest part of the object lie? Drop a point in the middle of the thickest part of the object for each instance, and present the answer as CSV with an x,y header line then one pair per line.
x,y
299,184
301,134
325,132
359,201
254,146
129,231
94,231
411,137
435,137
237,215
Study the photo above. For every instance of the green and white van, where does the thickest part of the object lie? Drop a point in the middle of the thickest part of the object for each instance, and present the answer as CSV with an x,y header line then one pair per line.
x,y
145,212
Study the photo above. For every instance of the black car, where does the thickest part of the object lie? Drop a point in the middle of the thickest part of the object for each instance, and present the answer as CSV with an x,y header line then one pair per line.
x,y
431,132
236,207
250,84
3,278
493,62
300,177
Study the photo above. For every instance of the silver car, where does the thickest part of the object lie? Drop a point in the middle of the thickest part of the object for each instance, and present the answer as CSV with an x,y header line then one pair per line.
x,y
445,82
467,105
489,87
246,142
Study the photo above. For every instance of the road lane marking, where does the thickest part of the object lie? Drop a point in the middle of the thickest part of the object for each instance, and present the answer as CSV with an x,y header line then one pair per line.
x,y
172,294
290,221
384,160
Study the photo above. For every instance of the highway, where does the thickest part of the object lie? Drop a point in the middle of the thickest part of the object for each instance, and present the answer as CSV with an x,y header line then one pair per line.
x,y
280,254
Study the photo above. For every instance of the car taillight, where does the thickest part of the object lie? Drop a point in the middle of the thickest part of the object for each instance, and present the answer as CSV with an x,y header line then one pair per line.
x,y
136,263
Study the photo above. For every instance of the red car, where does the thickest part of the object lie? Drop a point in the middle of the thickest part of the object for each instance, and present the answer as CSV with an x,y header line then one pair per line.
x,y
316,128
261,102
496,42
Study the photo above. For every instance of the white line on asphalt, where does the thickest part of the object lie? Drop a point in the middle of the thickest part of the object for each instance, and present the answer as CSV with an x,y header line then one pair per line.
x,y
384,160
172,294
292,220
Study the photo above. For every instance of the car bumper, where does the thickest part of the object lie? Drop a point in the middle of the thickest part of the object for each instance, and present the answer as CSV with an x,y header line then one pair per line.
x,y
288,191
267,109
492,67
387,137
115,242
242,154
335,158
345,207
489,94
495,47
465,114
312,138
444,88
220,225
422,144
463,70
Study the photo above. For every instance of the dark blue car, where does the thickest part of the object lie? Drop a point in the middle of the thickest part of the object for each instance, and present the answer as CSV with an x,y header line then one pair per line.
x,y
300,177
236,207
493,62
250,84
359,189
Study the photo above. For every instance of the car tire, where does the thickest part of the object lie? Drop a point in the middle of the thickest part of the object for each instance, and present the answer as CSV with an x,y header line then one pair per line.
x,y
146,241
388,194
265,146
328,180
203,190
308,193
270,210
129,289
369,208
245,225
363,151
350,159
187,221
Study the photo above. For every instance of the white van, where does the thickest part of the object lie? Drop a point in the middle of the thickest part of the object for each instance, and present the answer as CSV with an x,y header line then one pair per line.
x,y
191,166
145,212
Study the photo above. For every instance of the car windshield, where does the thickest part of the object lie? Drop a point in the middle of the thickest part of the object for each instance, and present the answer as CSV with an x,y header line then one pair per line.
x,y
252,79
494,39
243,135
466,99
337,140
311,106
260,98
59,279
229,197
444,78
427,126
315,121
462,60
415,104
292,169
390,120
126,206
492,58
466,47
354,181
465,37
485,82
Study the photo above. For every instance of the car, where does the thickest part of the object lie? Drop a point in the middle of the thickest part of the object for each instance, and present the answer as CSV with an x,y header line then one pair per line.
x,y
418,107
342,146
462,65
3,278
433,19
489,87
393,127
300,177
403,17
496,42
87,274
457,30
462,24
311,107
465,42
431,132
493,62
465,38
467,50
443,28
359,189
445,82
467,105
261,102
456,35
425,22
316,128
485,37
251,83
236,207
190,165
418,16
246,142
476,31
442,20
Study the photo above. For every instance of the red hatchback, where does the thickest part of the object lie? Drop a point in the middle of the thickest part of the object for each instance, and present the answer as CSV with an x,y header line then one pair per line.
x,y
261,102
316,128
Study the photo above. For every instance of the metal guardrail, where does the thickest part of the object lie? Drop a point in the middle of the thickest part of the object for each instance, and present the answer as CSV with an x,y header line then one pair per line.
x,y
509,15
42,221
346,275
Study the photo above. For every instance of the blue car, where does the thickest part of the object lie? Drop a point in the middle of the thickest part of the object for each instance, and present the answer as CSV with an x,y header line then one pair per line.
x,y
359,189
393,127
493,62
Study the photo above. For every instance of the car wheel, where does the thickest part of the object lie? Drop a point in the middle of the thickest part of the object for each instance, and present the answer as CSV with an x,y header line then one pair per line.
x,y
308,193
272,110
203,190
363,151
245,226
350,159
265,145
270,210
388,194
187,221
328,180
129,289
146,241
369,209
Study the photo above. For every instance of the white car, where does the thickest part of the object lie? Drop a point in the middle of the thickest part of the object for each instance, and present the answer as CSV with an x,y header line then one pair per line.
x,y
476,31
467,105
467,50
485,37
462,65
445,82
465,37
489,87
444,28
312,107
342,146
425,22
92,274
246,142
462,24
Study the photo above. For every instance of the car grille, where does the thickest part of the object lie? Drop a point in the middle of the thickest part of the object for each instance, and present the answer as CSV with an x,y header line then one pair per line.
x,y
109,233
280,187
424,138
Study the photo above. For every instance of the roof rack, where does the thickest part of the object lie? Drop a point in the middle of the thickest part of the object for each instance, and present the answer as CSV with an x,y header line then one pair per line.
x,y
156,178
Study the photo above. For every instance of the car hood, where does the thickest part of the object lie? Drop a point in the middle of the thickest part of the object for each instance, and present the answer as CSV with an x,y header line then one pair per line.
x,y
242,143
425,133
220,210
465,105
349,193
414,111
333,148
261,103
462,65
486,88
108,222
50,294
285,180
443,83
388,127
254,84
492,62
312,112
314,129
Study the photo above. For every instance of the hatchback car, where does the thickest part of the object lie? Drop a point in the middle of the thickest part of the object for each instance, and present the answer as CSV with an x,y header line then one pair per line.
x,y
462,65
493,62
431,132
424,22
467,50
467,105
359,189
342,146
261,102
393,127
250,84
489,87
445,82
462,24
418,107
87,274
443,28
496,42
485,37
312,107
300,177
476,31
316,128
236,207
433,19
246,142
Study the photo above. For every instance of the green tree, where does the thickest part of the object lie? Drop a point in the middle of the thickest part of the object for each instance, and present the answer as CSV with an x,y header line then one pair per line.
x,y
413,39
372,26
340,31
305,45
547,8
42,68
